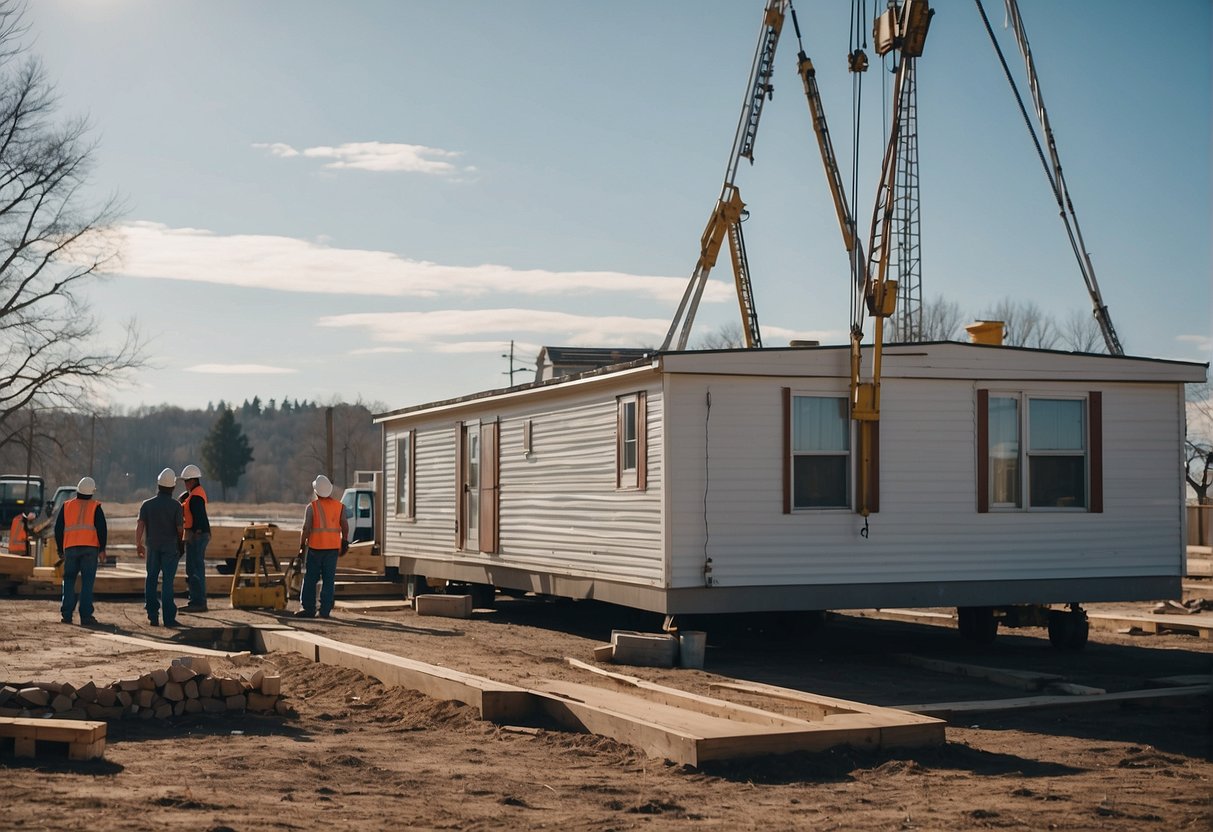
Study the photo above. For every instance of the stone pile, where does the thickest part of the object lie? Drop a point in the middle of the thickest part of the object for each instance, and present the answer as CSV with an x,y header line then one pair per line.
x,y
187,686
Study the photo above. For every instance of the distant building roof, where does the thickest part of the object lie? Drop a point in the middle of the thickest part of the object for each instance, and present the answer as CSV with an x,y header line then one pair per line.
x,y
554,362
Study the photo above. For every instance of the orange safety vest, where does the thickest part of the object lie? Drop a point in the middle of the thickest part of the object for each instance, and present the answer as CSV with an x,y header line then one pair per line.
x,y
196,491
78,528
17,536
326,524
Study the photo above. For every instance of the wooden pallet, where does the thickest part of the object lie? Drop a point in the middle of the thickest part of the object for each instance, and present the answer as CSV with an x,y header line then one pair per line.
x,y
85,738
1200,624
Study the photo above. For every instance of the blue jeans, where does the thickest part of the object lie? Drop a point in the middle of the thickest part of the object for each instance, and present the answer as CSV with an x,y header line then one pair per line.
x,y
81,561
321,565
195,567
162,566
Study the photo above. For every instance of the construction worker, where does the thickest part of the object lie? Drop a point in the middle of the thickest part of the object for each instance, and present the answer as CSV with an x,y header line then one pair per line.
x,y
158,538
80,535
324,538
197,537
18,535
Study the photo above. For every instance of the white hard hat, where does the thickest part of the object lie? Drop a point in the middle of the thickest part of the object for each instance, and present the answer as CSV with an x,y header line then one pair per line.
x,y
322,486
29,515
86,487
191,472
167,478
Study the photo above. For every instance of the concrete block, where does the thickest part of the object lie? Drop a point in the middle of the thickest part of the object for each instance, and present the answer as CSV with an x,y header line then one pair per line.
x,y
193,706
62,702
173,692
34,697
448,606
106,696
212,706
199,664
230,687
181,673
271,685
159,677
261,702
190,689
236,703
145,698
644,649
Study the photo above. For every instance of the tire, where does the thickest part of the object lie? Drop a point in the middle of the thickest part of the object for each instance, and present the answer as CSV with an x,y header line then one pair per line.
x,y
1068,629
484,596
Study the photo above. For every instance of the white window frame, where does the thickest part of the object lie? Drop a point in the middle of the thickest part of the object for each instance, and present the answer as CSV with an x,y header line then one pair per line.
x,y
405,449
848,453
1026,454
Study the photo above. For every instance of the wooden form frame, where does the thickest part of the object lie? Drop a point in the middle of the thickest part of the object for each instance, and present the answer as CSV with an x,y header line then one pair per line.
x,y
663,722
496,701
85,738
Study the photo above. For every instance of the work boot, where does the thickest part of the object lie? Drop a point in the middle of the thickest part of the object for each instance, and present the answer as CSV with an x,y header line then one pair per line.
x,y
66,619
305,614
153,620
89,622
192,607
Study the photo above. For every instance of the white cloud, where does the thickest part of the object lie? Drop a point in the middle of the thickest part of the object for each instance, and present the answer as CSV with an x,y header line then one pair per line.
x,y
288,264
379,351
557,327
1202,343
378,157
239,369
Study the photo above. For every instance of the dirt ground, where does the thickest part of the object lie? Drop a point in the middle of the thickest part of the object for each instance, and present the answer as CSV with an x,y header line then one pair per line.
x,y
358,755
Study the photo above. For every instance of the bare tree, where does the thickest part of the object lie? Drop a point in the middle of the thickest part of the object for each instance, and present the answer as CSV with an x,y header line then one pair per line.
x,y
1027,325
51,244
941,319
1081,333
724,337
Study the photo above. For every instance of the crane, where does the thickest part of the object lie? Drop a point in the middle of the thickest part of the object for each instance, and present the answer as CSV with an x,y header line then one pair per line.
x,y
902,28
729,211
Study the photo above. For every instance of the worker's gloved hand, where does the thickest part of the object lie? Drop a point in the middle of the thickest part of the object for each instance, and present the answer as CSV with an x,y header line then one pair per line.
x,y
345,546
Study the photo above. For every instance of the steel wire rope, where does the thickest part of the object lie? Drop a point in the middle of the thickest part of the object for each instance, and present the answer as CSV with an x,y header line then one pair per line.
x,y
1056,178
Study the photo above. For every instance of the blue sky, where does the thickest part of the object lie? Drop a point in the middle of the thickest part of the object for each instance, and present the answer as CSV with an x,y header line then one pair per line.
x,y
369,200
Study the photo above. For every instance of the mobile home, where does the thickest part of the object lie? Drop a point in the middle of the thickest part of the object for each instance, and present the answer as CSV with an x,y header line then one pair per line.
x,y
725,481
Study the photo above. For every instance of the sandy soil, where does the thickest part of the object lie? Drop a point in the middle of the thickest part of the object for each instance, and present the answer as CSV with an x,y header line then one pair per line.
x,y
358,755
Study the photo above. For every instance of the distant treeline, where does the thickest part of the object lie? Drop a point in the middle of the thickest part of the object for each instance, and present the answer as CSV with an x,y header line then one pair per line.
x,y
125,451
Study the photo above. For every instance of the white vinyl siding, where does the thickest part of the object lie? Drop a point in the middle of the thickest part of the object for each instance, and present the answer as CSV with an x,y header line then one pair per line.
x,y
928,528
560,509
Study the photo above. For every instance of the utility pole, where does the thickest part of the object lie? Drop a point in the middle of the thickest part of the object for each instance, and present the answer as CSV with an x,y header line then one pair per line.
x,y
328,442
510,372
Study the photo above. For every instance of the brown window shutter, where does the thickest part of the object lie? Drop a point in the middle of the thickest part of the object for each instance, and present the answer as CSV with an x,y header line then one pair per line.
x,y
787,450
642,445
460,434
983,451
411,508
1095,439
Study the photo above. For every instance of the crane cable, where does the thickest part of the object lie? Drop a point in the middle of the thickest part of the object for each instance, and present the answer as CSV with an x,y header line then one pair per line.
x,y
859,39
1056,179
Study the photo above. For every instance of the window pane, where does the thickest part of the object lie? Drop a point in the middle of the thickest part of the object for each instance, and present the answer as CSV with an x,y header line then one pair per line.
x,y
819,423
1058,481
819,481
629,421
1055,425
1004,450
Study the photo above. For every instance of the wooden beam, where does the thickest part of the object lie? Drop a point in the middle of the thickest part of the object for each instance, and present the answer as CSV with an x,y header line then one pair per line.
x,y
170,647
947,710
496,701
1021,679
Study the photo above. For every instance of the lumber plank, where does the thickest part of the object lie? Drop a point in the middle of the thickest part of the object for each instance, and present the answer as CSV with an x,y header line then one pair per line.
x,y
1201,624
1021,679
947,710
684,699
16,566
496,701
180,649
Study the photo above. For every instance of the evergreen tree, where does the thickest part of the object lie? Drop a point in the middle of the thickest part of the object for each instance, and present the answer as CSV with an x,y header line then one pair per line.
x,y
226,452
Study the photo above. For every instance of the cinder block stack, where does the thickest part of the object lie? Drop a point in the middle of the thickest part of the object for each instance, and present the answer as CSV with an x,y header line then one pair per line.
x,y
187,686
